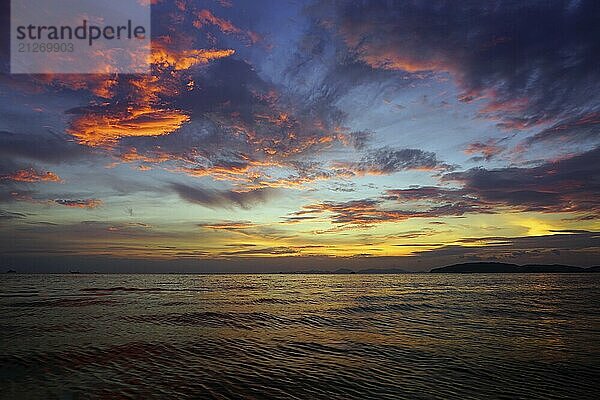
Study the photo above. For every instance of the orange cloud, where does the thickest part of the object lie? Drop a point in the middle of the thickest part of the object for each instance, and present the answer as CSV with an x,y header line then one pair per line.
x,y
185,59
205,17
104,130
392,61
30,175
488,149
79,203
143,114
154,157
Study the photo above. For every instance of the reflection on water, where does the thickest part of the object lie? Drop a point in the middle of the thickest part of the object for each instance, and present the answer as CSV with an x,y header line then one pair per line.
x,y
300,336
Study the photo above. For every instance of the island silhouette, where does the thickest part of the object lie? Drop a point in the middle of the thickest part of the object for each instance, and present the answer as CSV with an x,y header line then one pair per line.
x,y
466,268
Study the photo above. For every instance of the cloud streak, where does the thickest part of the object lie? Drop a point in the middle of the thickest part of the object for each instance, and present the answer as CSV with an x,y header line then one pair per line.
x,y
386,160
566,185
213,198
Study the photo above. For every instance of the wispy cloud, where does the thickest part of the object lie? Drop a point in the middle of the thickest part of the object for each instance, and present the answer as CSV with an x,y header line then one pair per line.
x,y
388,160
214,198
528,75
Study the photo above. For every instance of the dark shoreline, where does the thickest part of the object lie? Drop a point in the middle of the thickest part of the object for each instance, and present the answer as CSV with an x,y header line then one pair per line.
x,y
464,268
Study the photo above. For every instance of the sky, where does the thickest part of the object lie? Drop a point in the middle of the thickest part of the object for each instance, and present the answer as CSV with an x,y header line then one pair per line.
x,y
289,135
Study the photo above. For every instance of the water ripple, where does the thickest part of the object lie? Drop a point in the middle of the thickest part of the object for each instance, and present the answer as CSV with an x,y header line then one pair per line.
x,y
300,337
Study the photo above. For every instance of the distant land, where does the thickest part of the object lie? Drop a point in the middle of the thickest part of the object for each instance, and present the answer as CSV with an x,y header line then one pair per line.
x,y
342,271
495,267
464,268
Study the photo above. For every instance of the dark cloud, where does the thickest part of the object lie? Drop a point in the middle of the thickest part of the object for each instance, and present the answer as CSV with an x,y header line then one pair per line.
x,y
255,116
529,71
580,246
589,217
426,193
261,121
578,129
567,185
265,251
11,193
485,151
214,198
48,147
241,125
442,201
323,71
368,212
227,225
388,160
7,215
569,231
360,139
100,237
224,87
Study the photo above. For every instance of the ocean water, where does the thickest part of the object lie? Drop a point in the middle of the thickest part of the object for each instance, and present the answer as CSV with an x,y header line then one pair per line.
x,y
413,336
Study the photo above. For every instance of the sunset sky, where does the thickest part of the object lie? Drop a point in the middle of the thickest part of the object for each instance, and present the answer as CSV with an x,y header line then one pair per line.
x,y
289,135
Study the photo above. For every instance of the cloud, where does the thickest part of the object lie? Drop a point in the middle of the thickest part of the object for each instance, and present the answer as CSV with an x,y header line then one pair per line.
x,y
360,139
578,129
99,126
264,251
487,150
228,225
231,122
115,238
214,198
206,17
528,73
241,129
165,57
48,147
135,105
264,122
580,246
298,218
436,201
8,215
566,185
79,203
386,160
365,213
31,176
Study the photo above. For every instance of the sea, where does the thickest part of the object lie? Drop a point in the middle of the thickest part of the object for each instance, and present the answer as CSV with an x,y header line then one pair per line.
x,y
300,336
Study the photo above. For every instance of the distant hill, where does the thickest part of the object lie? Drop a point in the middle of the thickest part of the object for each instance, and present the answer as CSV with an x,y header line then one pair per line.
x,y
465,268
383,271
342,271
495,267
